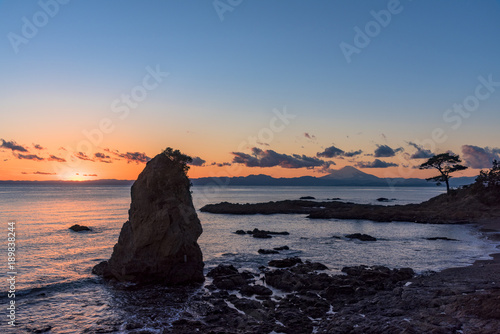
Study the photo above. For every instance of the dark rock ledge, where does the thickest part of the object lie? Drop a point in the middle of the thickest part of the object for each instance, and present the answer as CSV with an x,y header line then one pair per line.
x,y
364,300
462,206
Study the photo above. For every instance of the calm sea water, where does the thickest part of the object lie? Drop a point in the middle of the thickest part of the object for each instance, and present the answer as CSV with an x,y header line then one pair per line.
x,y
55,289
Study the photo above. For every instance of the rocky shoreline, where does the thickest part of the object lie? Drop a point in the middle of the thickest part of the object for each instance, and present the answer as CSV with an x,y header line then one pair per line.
x,y
366,299
291,296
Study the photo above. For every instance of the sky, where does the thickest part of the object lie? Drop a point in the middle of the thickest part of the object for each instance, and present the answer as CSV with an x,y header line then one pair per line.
x,y
93,89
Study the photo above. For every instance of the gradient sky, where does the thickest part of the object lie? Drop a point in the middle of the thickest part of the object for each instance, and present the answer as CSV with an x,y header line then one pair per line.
x,y
232,66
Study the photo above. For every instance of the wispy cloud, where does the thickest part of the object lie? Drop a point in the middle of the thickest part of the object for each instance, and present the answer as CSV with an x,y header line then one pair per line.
x,y
29,157
352,153
54,158
38,147
270,158
480,157
101,157
44,173
39,173
309,136
83,156
12,145
377,163
89,174
137,157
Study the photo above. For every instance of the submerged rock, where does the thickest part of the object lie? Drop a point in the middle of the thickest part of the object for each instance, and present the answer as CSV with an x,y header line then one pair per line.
x,y
307,197
362,237
441,238
268,251
159,241
261,235
80,228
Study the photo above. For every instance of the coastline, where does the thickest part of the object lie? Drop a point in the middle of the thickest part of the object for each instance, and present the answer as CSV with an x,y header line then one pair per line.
x,y
363,300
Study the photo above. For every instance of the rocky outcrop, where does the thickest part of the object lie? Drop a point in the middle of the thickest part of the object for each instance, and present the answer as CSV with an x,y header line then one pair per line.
x,y
460,207
159,241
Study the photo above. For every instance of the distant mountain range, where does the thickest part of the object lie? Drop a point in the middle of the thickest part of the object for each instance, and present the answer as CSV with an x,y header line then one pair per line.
x,y
347,176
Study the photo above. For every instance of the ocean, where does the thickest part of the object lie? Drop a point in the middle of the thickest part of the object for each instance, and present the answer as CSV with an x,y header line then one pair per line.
x,y
55,291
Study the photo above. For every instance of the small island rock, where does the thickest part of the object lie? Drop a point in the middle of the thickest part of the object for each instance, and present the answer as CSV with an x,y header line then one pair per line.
x,y
80,228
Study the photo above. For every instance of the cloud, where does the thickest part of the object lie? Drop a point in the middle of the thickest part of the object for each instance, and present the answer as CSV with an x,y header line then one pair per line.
x,y
29,157
44,173
103,157
384,151
352,153
330,152
309,136
421,152
38,147
83,156
270,158
89,174
479,157
223,164
54,158
263,144
377,163
12,145
197,161
39,173
136,157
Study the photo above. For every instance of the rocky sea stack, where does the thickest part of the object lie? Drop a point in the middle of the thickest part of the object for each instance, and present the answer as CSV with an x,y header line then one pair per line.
x,y
158,244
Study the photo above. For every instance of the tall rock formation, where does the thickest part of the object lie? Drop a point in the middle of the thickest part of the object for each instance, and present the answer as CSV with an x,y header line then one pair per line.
x,y
159,241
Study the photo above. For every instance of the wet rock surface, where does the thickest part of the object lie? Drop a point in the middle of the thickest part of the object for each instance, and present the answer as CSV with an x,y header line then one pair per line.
x,y
303,298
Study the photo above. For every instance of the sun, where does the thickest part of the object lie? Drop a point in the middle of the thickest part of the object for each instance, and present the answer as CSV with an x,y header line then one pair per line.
x,y
73,176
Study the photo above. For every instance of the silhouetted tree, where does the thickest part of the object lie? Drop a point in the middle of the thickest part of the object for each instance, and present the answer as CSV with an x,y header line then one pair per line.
x,y
446,164
176,156
490,178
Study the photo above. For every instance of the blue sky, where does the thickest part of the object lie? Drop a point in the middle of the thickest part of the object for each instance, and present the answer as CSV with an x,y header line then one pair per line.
x,y
226,76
